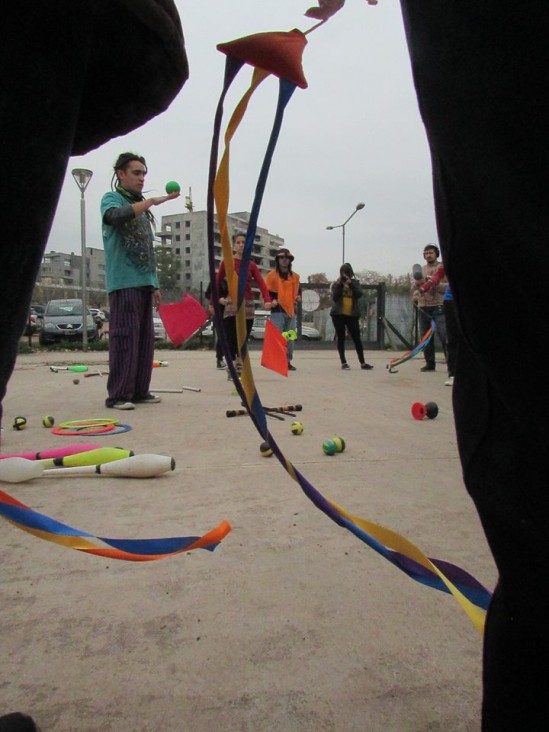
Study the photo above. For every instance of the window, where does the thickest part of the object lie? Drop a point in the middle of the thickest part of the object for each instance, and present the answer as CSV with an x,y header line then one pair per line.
x,y
178,250
187,250
178,224
187,224
188,276
187,237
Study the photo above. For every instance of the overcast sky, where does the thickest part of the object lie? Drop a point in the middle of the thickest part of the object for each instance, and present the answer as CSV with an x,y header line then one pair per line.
x,y
354,135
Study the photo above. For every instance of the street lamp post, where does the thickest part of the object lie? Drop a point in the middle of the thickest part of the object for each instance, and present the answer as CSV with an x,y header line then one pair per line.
x,y
82,178
342,226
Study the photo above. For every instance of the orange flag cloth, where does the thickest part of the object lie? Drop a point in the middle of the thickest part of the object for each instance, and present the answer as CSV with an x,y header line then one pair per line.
x,y
274,354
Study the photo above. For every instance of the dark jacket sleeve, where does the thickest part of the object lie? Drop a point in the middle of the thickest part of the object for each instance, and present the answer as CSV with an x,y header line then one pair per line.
x,y
118,215
337,291
153,66
356,288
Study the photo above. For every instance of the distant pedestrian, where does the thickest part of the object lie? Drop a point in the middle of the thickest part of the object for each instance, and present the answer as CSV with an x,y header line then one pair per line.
x,y
222,292
345,313
452,334
132,283
284,289
450,320
429,305
229,316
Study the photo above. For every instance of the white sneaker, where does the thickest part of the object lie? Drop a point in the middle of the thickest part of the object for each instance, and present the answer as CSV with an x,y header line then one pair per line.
x,y
149,399
449,381
123,405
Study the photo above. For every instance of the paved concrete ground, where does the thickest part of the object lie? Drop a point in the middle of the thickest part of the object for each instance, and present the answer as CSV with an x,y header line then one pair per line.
x,y
292,624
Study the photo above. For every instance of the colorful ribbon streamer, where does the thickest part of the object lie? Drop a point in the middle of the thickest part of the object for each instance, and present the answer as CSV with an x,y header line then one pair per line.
x,y
134,550
440,575
414,351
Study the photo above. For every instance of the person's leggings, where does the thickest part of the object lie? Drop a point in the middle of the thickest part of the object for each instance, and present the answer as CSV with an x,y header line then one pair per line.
x,y
349,322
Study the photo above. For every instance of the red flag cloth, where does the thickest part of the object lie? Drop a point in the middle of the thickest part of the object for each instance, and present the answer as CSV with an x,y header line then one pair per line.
x,y
278,52
275,350
182,319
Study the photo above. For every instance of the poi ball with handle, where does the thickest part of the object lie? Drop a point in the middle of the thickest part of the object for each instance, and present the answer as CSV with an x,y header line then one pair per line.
x,y
339,443
48,421
329,447
265,449
296,428
431,410
172,186
19,423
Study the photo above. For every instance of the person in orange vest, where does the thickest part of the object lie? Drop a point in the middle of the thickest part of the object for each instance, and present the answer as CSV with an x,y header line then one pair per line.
x,y
284,289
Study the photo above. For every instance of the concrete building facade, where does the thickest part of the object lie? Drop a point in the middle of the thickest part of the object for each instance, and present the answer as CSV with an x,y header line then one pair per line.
x,y
60,276
59,268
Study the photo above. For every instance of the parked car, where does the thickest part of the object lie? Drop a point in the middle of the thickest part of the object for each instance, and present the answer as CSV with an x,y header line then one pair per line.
x,y
62,321
258,328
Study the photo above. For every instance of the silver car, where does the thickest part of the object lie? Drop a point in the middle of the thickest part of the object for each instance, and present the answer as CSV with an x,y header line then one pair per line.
x,y
258,329
62,321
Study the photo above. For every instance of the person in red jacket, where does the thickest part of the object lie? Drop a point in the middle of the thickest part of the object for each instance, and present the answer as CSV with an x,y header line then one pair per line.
x,y
229,316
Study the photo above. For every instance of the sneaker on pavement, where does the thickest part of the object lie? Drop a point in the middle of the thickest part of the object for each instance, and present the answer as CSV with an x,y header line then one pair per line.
x,y
149,399
345,366
366,366
122,405
291,368
449,381
220,364
427,368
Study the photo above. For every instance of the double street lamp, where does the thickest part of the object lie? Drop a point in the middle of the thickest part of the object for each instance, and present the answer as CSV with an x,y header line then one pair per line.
x,y
342,226
82,176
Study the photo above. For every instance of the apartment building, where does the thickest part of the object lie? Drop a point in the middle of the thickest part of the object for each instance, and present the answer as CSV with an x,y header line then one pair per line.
x,y
62,273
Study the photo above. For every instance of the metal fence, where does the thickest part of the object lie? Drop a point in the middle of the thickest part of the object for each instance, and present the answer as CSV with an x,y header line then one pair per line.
x,y
386,320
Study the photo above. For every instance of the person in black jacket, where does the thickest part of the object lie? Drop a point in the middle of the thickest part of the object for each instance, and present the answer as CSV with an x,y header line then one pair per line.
x,y
345,313
481,72
223,292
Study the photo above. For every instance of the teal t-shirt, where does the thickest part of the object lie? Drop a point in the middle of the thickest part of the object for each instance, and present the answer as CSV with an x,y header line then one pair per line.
x,y
130,260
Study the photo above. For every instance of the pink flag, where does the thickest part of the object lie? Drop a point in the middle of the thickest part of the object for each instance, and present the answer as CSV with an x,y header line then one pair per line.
x,y
182,319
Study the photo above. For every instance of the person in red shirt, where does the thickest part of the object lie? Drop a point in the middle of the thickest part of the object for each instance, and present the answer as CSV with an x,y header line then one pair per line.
x,y
229,316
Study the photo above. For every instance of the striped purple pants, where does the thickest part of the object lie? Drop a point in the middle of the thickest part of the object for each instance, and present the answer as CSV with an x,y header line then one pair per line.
x,y
131,345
